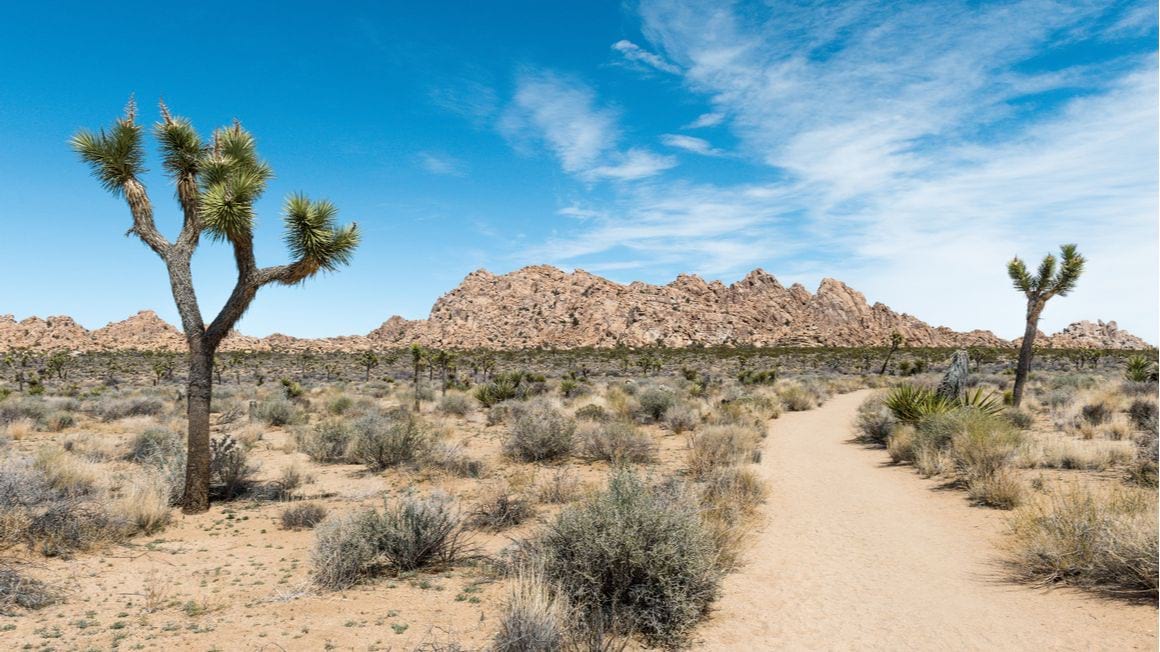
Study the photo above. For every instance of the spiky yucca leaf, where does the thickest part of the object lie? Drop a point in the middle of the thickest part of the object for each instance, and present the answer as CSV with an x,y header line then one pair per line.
x,y
311,234
115,156
910,403
181,146
233,178
985,402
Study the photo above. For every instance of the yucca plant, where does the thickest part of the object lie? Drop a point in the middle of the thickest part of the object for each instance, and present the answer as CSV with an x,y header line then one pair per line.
x,y
910,403
217,184
1138,369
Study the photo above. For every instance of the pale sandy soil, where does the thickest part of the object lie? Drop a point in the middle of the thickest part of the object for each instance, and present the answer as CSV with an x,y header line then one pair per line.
x,y
859,555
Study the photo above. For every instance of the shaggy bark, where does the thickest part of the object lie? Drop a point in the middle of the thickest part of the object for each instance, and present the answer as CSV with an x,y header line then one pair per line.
x,y
954,382
1026,350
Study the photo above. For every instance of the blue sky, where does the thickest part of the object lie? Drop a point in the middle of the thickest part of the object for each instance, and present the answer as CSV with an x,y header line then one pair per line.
x,y
907,149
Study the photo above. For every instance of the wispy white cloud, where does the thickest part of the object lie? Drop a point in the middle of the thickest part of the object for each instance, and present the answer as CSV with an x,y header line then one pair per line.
x,y
633,52
711,119
564,114
442,164
691,144
914,153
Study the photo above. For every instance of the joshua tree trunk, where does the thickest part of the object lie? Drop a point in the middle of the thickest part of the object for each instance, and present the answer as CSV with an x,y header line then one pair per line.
x,y
1023,368
200,390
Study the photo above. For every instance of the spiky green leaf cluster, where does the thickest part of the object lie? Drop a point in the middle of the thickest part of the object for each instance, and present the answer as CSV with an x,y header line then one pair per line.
x,y
181,146
910,403
1048,281
232,178
115,156
313,237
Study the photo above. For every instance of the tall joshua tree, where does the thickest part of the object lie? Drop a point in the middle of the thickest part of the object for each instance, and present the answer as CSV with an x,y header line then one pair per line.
x,y
896,340
217,184
1047,283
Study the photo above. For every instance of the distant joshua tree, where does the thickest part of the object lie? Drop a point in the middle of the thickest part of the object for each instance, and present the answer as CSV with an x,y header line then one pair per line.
x,y
417,357
369,360
1049,282
896,340
217,183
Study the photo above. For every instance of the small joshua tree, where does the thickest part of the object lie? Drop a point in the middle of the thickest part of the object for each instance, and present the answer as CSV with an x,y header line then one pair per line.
x,y
369,360
417,357
895,342
1049,282
217,183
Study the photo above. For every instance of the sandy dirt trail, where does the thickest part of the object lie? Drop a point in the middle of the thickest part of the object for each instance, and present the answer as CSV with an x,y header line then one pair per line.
x,y
858,555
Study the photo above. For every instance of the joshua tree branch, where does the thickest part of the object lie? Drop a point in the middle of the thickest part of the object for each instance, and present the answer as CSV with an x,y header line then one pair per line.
x,y
143,225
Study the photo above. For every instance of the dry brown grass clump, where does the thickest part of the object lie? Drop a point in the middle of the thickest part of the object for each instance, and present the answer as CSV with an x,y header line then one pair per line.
x,y
721,446
1099,539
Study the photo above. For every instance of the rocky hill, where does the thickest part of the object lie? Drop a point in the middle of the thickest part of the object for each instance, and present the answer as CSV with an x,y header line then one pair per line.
x,y
542,306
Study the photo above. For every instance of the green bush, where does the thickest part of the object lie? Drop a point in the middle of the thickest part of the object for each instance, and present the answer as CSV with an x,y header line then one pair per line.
x,y
636,558
539,432
280,412
654,401
328,442
617,442
875,421
385,440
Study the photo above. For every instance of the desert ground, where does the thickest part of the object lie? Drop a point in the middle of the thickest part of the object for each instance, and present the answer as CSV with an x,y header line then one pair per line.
x,y
556,503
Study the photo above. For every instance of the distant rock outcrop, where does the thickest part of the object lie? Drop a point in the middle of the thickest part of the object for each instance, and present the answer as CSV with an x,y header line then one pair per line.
x,y
544,307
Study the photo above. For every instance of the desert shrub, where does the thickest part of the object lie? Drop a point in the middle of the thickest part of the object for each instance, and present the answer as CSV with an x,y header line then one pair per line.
x,y
1144,470
455,403
716,447
58,421
408,534
533,618
1105,540
1098,411
1138,369
875,421
23,408
139,406
415,532
385,440
144,503
328,442
681,417
617,442
757,377
900,445
1143,414
345,550
279,411
230,471
72,525
539,432
153,443
499,508
66,473
452,459
1001,489
796,398
339,405
1021,419
291,389
492,393
634,557
654,401
593,412
982,444
561,487
733,487
302,516
19,590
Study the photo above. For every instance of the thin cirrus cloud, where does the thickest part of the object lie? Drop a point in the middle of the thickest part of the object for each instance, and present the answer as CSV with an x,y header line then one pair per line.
x,y
442,164
563,114
634,53
913,152
691,144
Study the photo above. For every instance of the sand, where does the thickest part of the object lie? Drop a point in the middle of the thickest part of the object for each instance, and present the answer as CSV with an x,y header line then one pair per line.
x,y
858,554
